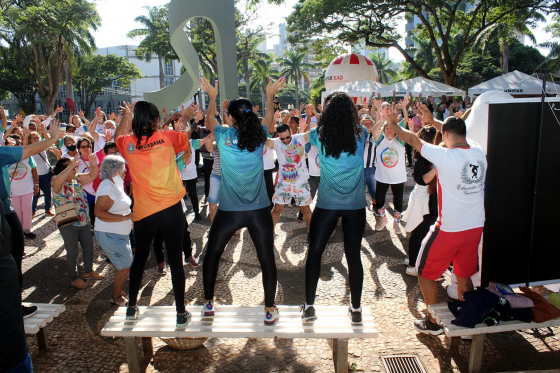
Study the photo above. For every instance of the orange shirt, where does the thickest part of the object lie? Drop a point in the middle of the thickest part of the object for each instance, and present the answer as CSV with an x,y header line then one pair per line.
x,y
156,181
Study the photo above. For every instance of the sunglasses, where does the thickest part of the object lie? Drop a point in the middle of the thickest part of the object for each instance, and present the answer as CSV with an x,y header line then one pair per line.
x,y
285,138
85,147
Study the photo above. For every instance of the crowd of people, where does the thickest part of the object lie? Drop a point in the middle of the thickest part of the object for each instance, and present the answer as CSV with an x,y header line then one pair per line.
x,y
123,179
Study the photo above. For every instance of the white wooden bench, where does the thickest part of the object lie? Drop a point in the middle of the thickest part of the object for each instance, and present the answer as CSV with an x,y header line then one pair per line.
x,y
444,317
36,324
332,322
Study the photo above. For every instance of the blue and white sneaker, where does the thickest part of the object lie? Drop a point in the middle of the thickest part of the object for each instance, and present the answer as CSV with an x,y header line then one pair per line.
x,y
208,309
183,320
271,317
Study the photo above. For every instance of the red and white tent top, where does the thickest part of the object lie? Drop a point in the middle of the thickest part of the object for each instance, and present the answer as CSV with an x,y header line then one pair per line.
x,y
349,68
419,85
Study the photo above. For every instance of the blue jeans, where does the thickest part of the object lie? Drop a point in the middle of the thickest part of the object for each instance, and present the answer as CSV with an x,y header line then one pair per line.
x,y
45,187
24,367
369,178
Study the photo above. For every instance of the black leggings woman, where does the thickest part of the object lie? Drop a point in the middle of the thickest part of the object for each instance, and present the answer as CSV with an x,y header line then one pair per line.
x,y
243,197
340,138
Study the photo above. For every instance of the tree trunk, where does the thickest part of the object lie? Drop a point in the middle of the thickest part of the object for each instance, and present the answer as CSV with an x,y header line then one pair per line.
x,y
505,56
248,84
49,101
68,71
161,72
297,91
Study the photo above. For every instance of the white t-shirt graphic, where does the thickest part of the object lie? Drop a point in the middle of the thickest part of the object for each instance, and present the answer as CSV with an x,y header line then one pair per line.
x,y
390,161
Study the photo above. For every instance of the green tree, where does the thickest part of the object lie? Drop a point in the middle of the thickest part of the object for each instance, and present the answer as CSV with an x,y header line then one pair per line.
x,y
293,67
16,79
374,23
156,39
100,71
45,33
474,69
247,51
385,71
261,76
552,61
525,58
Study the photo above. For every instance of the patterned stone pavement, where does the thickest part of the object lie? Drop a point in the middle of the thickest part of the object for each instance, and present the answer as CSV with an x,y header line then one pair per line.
x,y
394,297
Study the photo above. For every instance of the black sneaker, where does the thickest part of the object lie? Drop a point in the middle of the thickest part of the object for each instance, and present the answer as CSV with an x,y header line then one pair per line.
x,y
425,326
300,216
183,320
355,316
132,313
308,314
30,235
29,311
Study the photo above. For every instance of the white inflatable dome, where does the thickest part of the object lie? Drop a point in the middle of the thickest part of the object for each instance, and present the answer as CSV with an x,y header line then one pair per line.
x,y
349,68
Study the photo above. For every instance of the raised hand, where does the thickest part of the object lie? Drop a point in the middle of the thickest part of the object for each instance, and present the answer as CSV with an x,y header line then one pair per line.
x,y
10,142
225,104
410,123
301,107
108,135
118,119
164,111
54,128
277,114
404,102
17,119
42,128
179,124
190,111
59,109
392,115
276,86
427,115
112,116
212,91
57,152
61,134
92,160
256,109
81,114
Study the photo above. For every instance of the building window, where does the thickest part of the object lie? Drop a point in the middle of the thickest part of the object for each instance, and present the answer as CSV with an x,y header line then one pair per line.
x,y
169,68
169,81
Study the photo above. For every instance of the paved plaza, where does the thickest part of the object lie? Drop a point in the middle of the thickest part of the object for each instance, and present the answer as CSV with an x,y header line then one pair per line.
x,y
393,296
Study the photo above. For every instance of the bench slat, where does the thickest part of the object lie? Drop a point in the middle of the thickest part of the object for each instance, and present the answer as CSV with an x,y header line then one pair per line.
x,y
45,315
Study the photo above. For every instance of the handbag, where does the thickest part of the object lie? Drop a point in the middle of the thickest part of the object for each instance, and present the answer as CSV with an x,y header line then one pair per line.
x,y
66,214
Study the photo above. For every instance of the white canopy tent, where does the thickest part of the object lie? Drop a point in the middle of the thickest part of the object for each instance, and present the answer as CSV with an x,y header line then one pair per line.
x,y
361,89
418,86
516,83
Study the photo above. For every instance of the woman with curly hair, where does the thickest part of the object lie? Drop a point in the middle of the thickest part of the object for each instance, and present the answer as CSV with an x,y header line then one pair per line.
x,y
340,138
244,200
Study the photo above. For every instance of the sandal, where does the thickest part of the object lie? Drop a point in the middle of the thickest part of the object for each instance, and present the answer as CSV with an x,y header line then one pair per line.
x,y
79,283
117,302
94,275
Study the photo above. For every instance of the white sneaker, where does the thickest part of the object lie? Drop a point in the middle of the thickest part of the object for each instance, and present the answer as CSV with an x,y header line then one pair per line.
x,y
406,261
208,309
397,228
411,271
271,317
381,222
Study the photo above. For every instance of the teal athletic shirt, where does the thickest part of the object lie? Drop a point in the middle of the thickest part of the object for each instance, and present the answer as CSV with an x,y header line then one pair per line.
x,y
243,187
342,185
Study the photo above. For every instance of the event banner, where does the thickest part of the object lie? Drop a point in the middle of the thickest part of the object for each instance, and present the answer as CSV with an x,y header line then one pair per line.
x,y
519,167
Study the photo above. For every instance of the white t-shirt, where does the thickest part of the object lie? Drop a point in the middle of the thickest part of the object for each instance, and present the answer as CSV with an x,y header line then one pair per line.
x,y
21,179
291,159
43,165
99,144
190,172
268,158
390,161
314,161
461,175
121,206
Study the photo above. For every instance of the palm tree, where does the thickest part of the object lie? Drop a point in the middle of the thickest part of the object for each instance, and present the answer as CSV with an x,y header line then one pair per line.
x,y
385,71
261,75
156,38
519,23
293,66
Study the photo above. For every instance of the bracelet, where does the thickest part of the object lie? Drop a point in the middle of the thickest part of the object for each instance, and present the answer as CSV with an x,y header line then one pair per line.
x,y
36,184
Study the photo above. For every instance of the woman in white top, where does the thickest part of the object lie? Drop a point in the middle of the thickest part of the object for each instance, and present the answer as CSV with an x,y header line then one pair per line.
x,y
390,169
113,222
84,151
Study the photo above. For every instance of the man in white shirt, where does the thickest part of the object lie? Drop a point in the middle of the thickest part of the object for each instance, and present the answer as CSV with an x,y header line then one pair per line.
x,y
461,173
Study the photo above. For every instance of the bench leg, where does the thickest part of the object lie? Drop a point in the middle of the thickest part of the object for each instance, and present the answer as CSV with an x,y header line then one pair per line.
x,y
340,355
42,340
132,354
147,346
477,349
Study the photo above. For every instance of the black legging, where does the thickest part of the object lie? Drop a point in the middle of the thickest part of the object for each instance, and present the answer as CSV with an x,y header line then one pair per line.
x,y
418,234
260,226
171,222
207,164
408,150
269,182
190,185
381,191
323,223
158,244
17,242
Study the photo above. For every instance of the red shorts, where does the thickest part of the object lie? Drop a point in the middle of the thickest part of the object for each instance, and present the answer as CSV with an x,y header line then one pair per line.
x,y
439,249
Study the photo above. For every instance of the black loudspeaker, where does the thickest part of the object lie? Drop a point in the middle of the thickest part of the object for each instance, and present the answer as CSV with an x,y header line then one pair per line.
x,y
512,253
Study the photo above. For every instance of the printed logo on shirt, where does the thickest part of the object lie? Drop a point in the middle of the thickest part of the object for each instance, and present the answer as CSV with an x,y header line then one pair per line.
x,y
389,157
131,148
227,141
20,173
472,177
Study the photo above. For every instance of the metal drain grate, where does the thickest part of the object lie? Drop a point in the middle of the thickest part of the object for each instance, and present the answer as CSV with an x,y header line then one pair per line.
x,y
402,364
